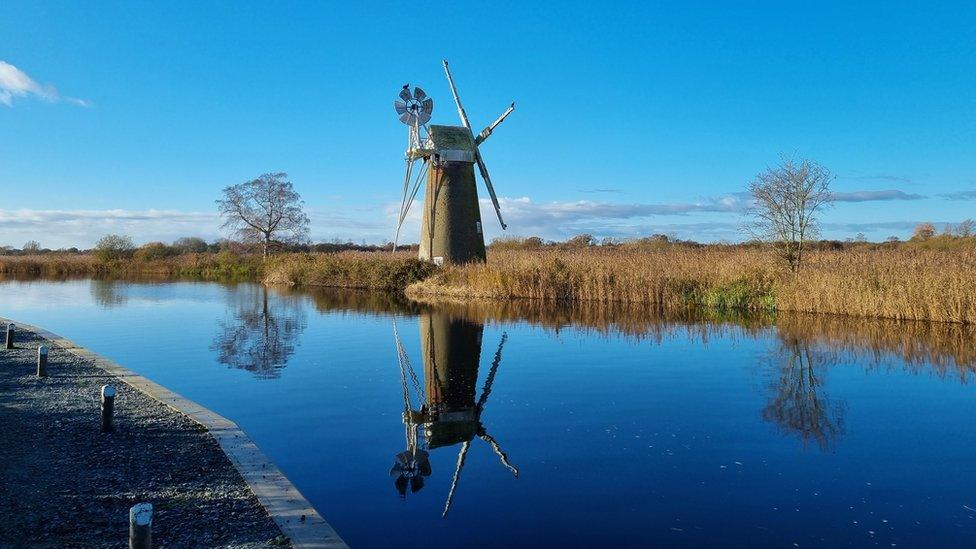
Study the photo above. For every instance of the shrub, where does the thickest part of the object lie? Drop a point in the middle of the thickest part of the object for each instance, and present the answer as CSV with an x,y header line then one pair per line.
x,y
190,244
155,250
113,246
517,243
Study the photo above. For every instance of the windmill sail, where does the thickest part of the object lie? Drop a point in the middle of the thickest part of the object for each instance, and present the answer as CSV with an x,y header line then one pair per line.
x,y
477,154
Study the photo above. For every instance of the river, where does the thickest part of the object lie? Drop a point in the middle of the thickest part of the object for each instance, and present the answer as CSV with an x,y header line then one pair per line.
x,y
523,424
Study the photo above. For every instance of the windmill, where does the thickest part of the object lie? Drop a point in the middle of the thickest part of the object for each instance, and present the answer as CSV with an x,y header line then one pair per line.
x,y
451,230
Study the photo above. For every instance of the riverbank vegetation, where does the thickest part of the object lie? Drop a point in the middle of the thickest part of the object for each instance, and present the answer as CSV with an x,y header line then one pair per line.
x,y
203,266
386,271
885,282
929,277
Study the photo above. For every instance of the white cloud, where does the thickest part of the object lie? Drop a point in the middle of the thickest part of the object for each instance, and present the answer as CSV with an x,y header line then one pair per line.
x,y
82,228
559,220
16,83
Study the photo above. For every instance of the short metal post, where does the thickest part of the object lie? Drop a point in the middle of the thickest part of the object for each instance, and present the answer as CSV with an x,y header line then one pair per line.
x,y
140,526
42,361
10,336
108,406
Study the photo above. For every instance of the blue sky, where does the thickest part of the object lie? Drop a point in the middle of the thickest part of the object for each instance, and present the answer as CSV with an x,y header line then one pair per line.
x,y
630,120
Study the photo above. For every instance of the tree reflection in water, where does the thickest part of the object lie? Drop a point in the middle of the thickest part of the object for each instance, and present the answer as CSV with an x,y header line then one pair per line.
x,y
799,405
261,332
108,294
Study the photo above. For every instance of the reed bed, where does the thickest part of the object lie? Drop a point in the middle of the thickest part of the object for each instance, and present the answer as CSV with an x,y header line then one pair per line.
x,y
722,277
904,284
900,283
372,270
210,266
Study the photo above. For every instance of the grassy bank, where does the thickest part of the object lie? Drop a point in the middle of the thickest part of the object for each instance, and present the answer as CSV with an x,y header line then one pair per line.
x,y
910,284
372,270
207,266
714,277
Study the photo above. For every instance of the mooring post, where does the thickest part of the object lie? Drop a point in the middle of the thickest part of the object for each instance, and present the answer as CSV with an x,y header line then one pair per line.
x,y
140,526
42,361
108,406
10,336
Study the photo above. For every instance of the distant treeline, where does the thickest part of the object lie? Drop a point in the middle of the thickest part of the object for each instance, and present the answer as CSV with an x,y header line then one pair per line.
x,y
924,236
121,246
110,247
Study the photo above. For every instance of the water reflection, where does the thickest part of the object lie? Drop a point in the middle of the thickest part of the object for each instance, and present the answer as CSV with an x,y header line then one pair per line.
x,y
940,348
805,347
446,407
259,333
799,404
109,294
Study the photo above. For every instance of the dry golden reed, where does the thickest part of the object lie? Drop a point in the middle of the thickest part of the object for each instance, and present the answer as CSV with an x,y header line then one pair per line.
x,y
718,276
210,266
899,283
374,270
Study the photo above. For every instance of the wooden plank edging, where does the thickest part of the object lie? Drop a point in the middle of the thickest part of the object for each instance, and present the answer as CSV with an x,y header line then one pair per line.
x,y
286,505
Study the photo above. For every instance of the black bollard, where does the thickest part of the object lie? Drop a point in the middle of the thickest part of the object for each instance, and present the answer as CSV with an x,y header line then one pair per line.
x,y
108,406
140,526
42,361
10,336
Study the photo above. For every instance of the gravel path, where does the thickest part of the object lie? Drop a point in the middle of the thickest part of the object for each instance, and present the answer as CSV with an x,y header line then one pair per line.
x,y
64,484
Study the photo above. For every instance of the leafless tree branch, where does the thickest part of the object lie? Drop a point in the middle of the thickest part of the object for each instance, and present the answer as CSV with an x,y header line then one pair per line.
x,y
265,210
786,201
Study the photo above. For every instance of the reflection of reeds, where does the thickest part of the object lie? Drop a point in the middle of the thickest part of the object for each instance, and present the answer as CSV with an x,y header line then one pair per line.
x,y
635,320
945,347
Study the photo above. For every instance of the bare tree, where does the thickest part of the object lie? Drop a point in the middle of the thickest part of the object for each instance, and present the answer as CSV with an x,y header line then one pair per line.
x,y
923,231
265,210
786,201
965,228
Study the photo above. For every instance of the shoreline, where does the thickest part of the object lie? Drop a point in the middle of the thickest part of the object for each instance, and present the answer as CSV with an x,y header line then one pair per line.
x,y
276,496
902,283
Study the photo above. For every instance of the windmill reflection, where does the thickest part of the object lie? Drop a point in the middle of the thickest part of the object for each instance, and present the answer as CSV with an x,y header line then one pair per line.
x,y
446,406
799,404
262,333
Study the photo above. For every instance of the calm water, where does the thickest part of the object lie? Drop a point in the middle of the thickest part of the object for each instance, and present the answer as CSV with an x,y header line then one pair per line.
x,y
625,427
